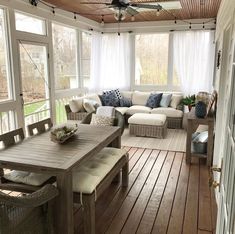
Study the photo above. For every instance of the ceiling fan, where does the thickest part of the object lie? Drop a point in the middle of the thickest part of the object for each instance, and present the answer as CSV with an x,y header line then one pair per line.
x,y
122,8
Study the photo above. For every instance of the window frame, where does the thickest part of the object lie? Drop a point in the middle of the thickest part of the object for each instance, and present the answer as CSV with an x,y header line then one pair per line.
x,y
149,87
78,65
32,16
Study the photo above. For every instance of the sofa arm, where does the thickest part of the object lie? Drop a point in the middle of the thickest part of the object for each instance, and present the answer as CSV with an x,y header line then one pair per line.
x,y
74,115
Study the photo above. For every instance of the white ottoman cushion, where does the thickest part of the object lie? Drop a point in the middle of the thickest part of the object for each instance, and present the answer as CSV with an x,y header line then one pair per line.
x,y
169,112
147,119
88,176
138,109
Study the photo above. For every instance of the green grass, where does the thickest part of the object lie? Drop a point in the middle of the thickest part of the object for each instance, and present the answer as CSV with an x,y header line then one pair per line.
x,y
31,108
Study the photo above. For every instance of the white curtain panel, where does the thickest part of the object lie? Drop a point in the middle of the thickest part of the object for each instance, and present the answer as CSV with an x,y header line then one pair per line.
x,y
110,61
194,53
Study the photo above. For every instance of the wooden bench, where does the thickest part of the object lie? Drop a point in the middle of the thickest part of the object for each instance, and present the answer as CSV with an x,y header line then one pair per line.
x,y
93,177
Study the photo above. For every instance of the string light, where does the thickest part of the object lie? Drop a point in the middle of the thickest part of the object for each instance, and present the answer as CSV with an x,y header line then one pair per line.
x,y
158,12
102,21
175,21
53,11
190,25
75,16
203,25
132,18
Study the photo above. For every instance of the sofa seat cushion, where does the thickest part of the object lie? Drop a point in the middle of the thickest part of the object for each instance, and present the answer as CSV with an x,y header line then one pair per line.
x,y
138,109
122,110
88,176
147,119
28,178
169,112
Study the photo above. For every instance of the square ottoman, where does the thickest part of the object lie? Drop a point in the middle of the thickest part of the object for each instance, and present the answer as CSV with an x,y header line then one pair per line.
x,y
151,125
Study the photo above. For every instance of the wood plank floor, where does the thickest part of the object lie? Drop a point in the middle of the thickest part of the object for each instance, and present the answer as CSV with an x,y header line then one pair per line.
x,y
165,195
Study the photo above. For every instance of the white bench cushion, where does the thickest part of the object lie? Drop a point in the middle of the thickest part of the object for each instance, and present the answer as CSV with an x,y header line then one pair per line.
x,y
88,176
28,178
138,109
147,119
122,110
168,111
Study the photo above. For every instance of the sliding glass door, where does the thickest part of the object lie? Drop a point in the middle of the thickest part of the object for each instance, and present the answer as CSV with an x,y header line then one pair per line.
x,y
34,81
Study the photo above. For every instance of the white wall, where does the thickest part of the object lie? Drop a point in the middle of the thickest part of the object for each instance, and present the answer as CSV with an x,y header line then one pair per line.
x,y
225,35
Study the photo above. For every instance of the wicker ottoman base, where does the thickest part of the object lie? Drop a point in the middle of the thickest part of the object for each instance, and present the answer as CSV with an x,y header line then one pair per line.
x,y
148,130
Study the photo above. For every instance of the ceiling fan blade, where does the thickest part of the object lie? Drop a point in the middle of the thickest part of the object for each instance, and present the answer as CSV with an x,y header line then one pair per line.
x,y
146,6
167,5
131,11
96,3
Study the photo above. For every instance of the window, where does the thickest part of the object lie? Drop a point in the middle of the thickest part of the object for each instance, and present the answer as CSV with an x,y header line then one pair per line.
x,y
30,24
151,63
86,58
65,57
5,86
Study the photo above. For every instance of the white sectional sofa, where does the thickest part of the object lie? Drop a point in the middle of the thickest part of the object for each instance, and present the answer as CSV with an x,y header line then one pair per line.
x,y
174,112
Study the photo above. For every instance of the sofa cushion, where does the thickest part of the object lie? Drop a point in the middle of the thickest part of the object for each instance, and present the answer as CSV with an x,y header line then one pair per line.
x,y
110,99
76,105
138,109
125,102
168,111
147,119
127,94
166,100
154,100
90,105
122,110
175,100
140,98
94,97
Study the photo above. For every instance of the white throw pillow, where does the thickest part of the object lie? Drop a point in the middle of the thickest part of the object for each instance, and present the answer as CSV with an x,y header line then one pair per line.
x,y
76,105
140,98
101,120
94,97
89,105
175,100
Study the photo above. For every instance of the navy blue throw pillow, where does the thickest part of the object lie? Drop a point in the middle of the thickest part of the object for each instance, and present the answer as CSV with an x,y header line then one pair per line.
x,y
110,99
154,100
116,91
125,102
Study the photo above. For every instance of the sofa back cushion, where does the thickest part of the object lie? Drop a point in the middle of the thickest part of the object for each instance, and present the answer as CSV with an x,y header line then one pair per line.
x,y
127,94
140,98
175,100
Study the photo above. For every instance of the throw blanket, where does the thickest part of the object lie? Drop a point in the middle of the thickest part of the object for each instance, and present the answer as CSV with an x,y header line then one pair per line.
x,y
108,111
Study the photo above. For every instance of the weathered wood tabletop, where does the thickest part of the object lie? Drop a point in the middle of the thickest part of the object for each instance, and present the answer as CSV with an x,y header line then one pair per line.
x,y
40,154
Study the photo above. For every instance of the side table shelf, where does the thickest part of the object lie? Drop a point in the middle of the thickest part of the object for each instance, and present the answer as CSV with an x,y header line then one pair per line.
x,y
193,123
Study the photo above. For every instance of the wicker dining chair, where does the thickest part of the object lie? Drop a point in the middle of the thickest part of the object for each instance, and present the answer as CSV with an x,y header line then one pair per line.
x,y
15,180
28,214
40,127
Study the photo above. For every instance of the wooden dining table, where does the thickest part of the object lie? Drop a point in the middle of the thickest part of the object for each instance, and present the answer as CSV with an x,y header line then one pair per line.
x,y
39,154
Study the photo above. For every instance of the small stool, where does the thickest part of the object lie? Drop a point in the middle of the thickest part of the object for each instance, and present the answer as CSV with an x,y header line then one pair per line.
x,y
150,125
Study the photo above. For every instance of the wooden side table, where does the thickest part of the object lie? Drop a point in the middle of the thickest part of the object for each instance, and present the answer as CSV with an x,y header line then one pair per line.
x,y
193,123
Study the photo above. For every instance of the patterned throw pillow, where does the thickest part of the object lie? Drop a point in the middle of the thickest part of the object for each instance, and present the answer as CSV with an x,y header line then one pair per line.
x,y
116,91
125,102
154,100
110,99
101,120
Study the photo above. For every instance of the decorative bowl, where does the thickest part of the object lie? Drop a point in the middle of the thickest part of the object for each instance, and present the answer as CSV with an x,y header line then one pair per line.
x,y
61,134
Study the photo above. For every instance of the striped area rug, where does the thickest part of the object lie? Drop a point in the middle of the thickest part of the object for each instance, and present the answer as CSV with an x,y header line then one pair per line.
x,y
174,141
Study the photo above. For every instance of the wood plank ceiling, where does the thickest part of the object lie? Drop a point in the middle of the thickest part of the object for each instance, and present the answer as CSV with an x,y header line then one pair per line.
x,y
191,9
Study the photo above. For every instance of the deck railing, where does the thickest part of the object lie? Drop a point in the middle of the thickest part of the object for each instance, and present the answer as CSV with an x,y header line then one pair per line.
x,y
7,121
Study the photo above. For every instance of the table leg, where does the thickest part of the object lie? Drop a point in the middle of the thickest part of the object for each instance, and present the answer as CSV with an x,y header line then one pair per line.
x,y
117,144
188,143
64,204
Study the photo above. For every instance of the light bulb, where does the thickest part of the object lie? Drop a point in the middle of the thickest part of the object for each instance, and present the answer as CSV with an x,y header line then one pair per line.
x,y
132,18
102,23
158,12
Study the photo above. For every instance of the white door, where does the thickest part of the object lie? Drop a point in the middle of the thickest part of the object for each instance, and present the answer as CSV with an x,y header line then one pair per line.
x,y
226,208
34,81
